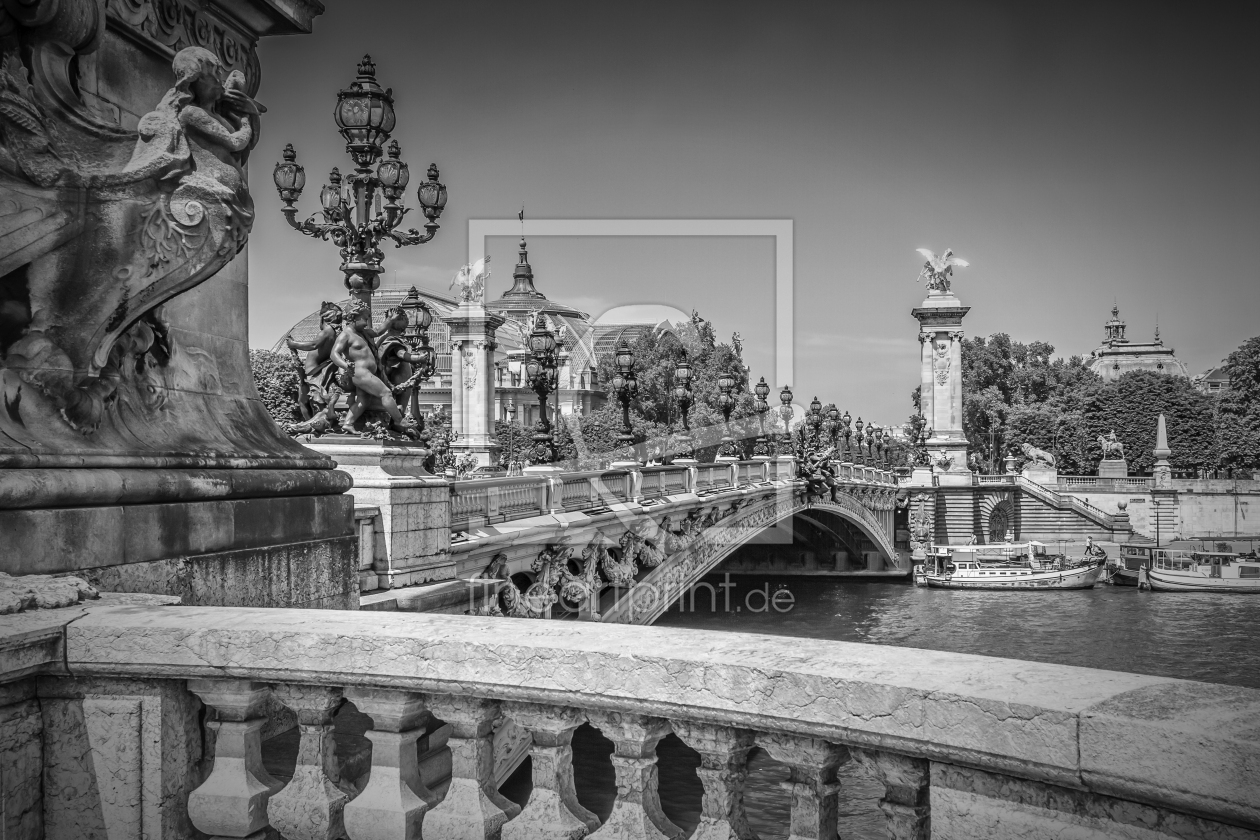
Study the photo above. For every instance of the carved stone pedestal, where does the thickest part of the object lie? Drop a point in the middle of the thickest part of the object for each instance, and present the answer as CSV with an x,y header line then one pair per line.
x,y
414,505
1113,468
310,805
723,772
473,808
636,813
907,801
553,810
812,782
393,803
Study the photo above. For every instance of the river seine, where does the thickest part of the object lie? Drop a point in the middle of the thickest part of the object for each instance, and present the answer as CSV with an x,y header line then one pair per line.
x,y
1213,638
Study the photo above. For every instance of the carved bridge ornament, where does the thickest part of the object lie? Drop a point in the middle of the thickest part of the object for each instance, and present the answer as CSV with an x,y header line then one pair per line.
x,y
100,226
680,550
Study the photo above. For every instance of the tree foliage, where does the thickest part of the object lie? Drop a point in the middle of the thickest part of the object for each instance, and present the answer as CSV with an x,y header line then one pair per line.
x,y
276,377
1016,393
1238,409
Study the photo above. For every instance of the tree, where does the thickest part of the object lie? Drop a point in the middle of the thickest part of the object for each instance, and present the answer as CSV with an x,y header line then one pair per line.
x,y
1131,405
1238,409
276,377
1017,393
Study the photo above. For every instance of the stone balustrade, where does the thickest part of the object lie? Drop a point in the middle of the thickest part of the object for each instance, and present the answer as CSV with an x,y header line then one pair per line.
x,y
486,501
963,746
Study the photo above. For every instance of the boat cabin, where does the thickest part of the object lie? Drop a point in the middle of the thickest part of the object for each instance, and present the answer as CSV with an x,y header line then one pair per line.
x,y
1213,564
1134,556
995,559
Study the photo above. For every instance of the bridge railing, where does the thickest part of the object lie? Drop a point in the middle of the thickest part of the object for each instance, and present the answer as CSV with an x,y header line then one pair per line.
x,y
968,745
713,476
750,472
664,481
491,500
595,488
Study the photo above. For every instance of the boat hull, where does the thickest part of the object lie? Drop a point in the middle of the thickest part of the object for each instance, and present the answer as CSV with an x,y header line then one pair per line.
x,y
1163,582
1082,578
1124,577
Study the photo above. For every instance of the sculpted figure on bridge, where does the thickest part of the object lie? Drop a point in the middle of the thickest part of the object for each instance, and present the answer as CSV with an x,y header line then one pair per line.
x,y
317,387
92,249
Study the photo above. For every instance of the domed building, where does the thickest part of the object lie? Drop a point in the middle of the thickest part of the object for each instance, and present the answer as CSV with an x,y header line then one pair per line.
x,y
1118,355
585,343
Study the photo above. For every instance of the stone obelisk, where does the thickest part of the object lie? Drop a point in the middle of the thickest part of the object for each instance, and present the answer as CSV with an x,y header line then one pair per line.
x,y
940,398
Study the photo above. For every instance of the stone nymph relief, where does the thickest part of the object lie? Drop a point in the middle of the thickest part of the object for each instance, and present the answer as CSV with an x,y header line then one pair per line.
x,y
99,227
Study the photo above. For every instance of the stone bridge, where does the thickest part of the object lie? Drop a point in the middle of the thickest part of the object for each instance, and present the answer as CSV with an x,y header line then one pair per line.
x,y
655,531
600,533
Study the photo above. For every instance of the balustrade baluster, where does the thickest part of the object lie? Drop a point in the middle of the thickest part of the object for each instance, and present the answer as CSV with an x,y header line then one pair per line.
x,y
636,813
812,782
473,809
723,772
907,795
310,805
553,811
395,799
232,801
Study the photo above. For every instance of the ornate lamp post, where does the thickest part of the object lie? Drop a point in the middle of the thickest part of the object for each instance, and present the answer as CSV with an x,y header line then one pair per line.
x,y
366,211
423,359
831,422
879,447
726,402
847,431
625,385
861,448
510,409
814,420
682,392
761,447
785,412
541,368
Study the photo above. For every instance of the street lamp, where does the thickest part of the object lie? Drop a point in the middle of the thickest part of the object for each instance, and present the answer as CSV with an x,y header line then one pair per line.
x,y
542,370
831,422
761,447
785,411
354,216
726,402
625,385
861,458
879,447
847,456
682,392
510,409
423,359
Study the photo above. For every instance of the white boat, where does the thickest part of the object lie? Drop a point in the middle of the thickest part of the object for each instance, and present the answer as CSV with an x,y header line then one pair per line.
x,y
1007,566
1173,570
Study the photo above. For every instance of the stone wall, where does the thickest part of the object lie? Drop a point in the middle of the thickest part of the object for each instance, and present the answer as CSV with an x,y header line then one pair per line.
x,y
1197,509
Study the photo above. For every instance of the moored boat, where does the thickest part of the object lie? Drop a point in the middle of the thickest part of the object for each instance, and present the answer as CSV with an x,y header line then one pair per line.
x,y
1124,569
1171,570
1008,566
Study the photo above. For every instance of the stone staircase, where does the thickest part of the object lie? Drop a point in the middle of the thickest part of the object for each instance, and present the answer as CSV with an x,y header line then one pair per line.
x,y
1043,514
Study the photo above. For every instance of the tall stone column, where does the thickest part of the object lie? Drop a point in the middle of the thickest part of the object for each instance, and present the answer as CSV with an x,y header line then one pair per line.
x,y
472,379
940,319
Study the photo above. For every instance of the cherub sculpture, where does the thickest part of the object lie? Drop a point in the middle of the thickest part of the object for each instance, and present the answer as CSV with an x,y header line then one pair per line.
x,y
317,389
355,354
938,269
404,364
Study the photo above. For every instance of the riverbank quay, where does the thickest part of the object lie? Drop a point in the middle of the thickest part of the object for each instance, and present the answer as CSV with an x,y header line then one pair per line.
x,y
966,746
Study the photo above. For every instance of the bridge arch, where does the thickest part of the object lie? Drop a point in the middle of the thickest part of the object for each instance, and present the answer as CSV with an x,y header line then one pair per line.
x,y
869,510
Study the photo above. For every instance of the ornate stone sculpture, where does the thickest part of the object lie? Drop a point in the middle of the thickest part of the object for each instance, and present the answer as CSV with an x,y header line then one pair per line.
x,y
922,524
938,269
318,389
1037,456
1112,448
85,342
471,280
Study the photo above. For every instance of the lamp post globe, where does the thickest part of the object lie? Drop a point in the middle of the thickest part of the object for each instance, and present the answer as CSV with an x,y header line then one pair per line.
x,y
354,217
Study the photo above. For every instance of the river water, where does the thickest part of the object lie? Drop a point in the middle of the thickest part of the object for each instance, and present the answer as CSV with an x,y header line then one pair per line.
x,y
1205,637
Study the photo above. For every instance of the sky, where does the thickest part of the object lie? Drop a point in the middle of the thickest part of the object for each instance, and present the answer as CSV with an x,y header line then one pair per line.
x,y
1075,154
